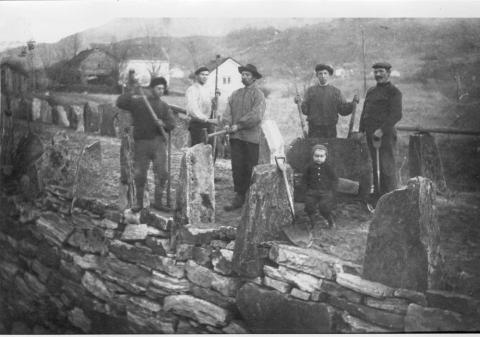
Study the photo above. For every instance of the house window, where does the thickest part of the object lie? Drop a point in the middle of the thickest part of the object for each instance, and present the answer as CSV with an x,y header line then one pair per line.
x,y
224,80
229,80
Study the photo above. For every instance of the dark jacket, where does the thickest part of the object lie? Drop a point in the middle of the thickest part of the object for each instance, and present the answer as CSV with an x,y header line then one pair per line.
x,y
143,123
320,177
323,104
382,109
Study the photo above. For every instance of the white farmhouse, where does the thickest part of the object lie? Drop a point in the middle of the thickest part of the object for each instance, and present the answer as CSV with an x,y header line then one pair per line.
x,y
229,79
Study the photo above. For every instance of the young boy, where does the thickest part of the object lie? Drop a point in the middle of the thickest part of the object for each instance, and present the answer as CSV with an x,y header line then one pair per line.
x,y
320,183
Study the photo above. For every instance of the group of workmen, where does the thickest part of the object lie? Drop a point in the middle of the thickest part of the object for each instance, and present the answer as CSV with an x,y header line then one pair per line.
x,y
241,120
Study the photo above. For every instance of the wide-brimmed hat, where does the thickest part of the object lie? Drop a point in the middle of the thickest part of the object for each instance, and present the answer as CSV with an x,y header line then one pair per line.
x,y
199,70
326,67
384,65
250,68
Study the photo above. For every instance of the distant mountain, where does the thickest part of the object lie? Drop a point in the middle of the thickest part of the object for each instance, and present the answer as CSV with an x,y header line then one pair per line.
x,y
10,44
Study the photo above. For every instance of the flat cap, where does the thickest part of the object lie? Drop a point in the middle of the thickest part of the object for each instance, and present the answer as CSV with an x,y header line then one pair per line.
x,y
319,147
326,67
384,65
158,81
199,70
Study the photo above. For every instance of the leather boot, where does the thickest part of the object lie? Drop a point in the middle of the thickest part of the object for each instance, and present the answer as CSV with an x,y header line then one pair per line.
x,y
237,203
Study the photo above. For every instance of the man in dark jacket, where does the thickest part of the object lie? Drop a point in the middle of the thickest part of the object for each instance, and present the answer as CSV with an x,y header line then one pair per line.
x,y
150,144
323,103
381,111
242,119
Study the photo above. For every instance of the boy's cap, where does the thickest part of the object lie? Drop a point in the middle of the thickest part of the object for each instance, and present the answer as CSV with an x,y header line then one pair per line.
x,y
319,147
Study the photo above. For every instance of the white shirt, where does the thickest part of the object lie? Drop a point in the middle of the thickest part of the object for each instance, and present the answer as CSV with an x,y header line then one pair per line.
x,y
199,102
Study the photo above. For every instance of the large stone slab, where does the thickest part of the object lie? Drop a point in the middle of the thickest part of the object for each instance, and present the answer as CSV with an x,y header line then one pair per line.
x,y
202,311
200,235
92,117
349,157
309,261
54,228
265,213
207,278
392,304
269,311
46,115
301,280
36,109
75,117
421,319
403,240
109,120
195,198
335,290
271,143
363,286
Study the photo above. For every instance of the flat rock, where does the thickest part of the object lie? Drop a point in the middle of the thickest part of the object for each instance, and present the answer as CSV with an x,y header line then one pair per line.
x,y
202,255
135,232
145,322
421,319
214,297
403,240
145,303
169,283
202,311
336,290
207,278
309,261
235,327
385,319
158,246
195,194
55,229
363,286
301,295
396,305
281,286
77,317
268,311
89,240
301,280
157,219
204,234
184,251
96,286
411,295
352,324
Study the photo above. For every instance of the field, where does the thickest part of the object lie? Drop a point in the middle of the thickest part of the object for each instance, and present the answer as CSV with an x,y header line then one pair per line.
x,y
458,211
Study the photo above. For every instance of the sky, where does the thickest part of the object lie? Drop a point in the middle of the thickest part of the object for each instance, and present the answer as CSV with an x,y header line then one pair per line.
x,y
49,21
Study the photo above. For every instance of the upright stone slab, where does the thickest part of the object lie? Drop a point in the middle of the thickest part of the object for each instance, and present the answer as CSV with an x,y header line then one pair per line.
x,y
403,240
180,135
271,143
109,116
349,157
60,116
76,117
46,112
92,117
265,213
424,159
195,200
36,109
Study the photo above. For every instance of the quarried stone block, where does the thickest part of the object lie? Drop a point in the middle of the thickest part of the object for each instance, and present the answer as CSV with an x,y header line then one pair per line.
x,y
363,286
271,143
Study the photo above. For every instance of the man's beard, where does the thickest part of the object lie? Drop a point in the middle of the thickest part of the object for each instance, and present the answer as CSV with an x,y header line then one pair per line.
x,y
245,82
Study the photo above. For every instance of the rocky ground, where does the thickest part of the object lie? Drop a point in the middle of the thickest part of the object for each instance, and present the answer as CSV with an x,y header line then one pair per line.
x,y
458,214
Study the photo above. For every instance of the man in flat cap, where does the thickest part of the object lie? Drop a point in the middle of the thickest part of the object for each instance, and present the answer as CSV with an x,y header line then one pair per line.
x,y
381,111
150,145
199,107
323,103
242,118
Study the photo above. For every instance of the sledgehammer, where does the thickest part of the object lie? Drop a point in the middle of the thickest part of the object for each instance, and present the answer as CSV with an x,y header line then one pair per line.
x,y
207,135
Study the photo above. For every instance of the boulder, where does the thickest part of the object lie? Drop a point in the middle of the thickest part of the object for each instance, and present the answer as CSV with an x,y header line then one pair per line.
x,y
202,311
92,117
271,143
195,199
265,213
403,240
349,157
269,311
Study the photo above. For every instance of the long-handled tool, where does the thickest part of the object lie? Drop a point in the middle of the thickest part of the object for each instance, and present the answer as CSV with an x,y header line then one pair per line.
x,y
377,142
213,114
352,118
152,113
169,169
298,236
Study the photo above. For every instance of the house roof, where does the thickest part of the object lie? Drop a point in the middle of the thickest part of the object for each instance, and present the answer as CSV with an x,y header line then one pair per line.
x,y
212,65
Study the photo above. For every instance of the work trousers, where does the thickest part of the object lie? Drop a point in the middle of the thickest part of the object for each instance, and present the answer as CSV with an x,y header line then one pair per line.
x,y
388,175
319,201
322,131
154,151
244,158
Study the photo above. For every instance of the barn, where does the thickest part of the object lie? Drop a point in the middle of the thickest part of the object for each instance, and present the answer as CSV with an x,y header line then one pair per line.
x,y
94,66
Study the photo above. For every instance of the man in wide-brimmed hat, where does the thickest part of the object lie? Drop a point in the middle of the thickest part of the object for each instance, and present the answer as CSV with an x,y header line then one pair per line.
x,y
150,145
199,107
323,103
242,118
381,111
